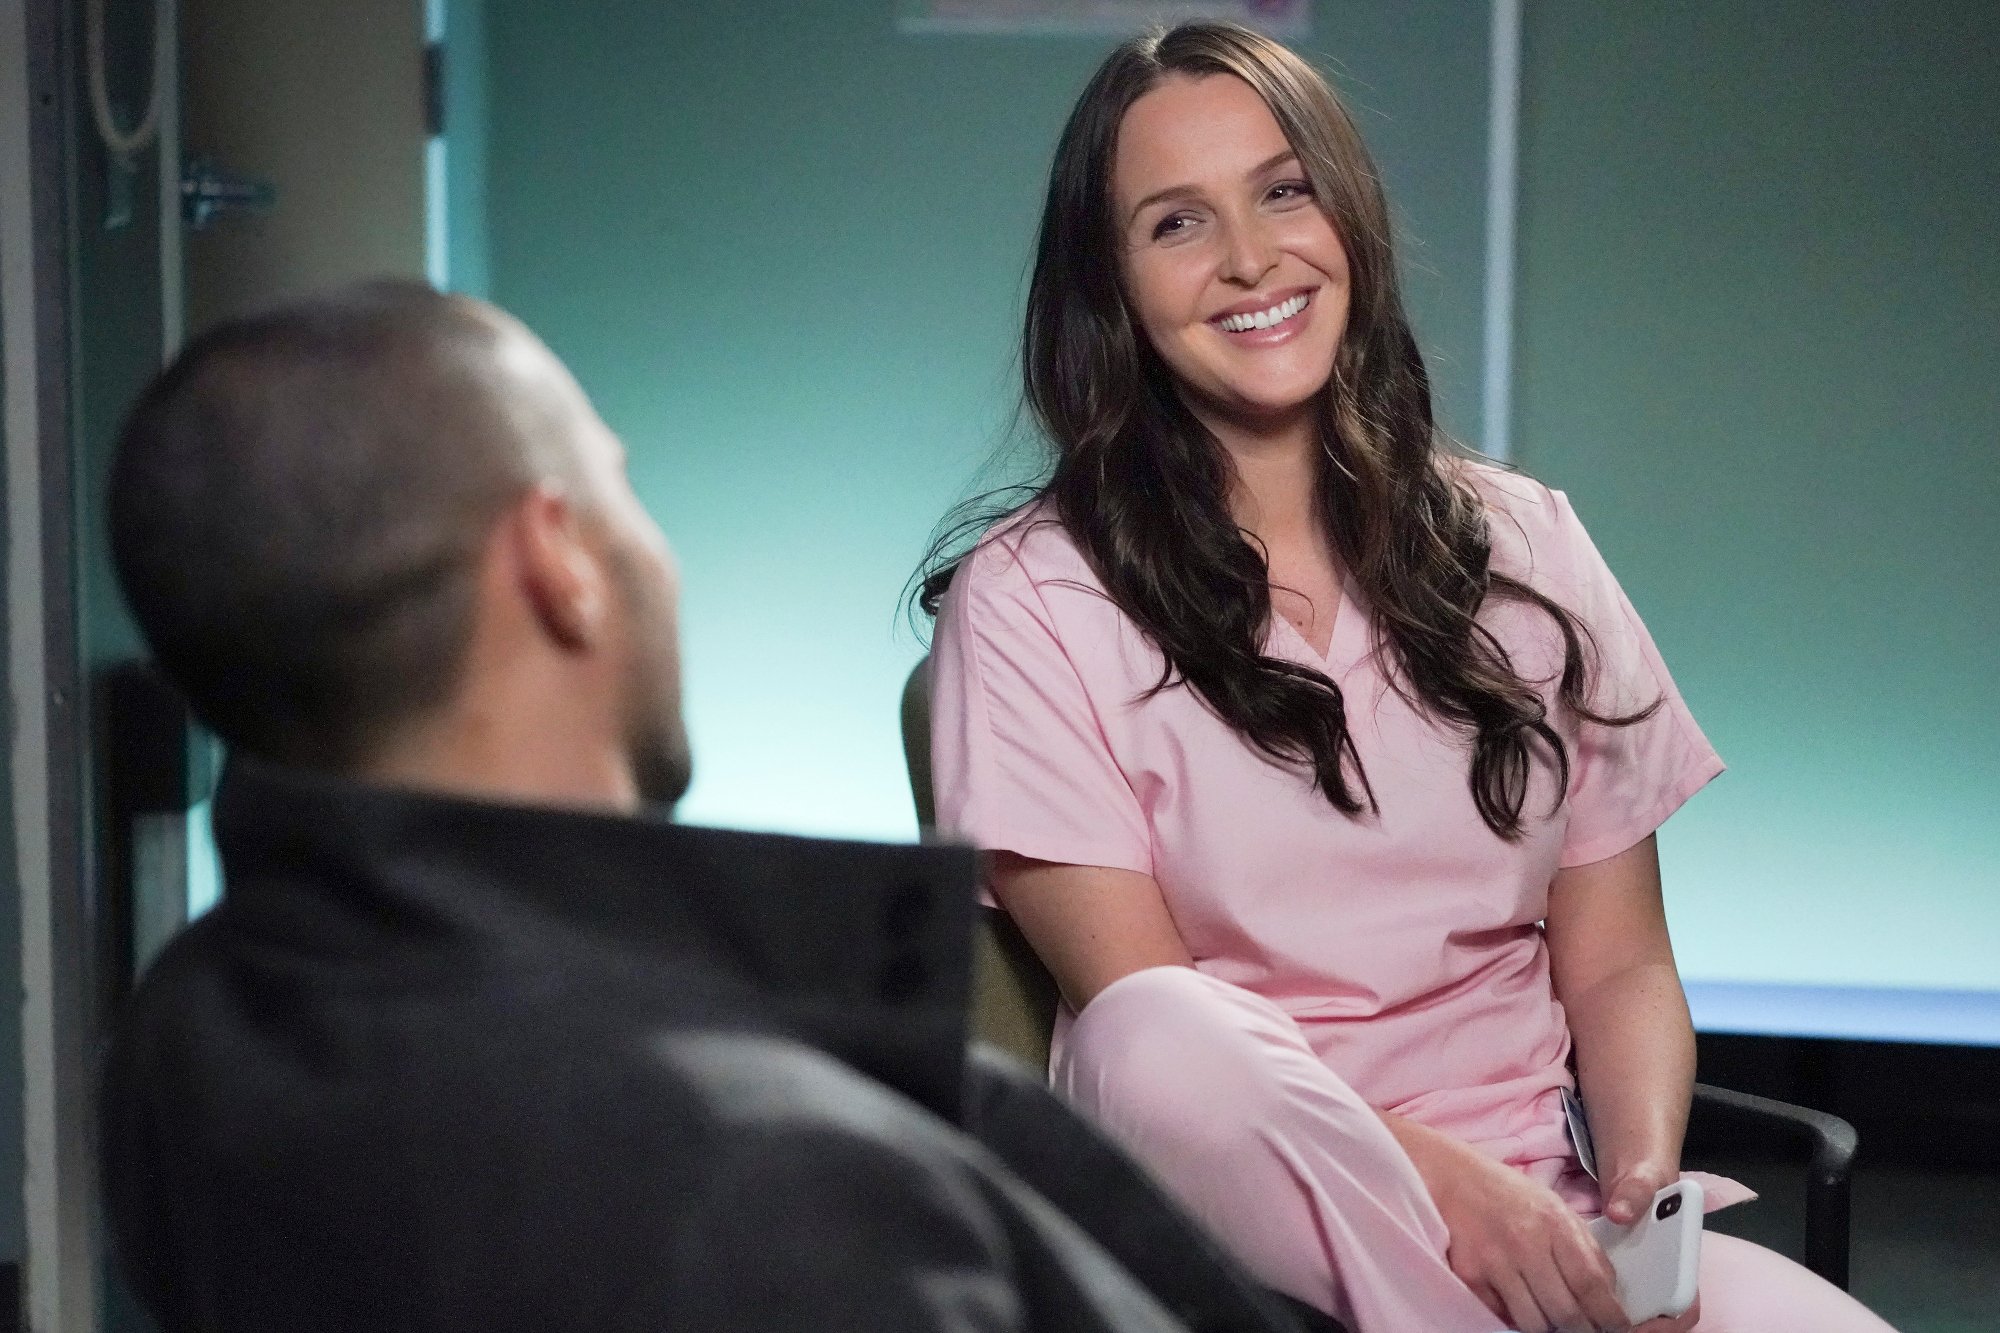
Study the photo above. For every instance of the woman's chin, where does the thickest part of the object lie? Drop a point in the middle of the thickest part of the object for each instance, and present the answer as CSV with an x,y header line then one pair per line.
x,y
1265,412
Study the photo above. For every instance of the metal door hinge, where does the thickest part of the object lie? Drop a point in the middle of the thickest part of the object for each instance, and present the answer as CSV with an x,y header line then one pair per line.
x,y
207,191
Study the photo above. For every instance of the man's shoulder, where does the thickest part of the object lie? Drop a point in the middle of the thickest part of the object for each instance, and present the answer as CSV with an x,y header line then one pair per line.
x,y
178,988
535,1082
768,1084
683,1047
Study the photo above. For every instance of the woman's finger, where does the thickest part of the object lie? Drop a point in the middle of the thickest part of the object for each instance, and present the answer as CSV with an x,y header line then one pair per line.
x,y
1553,1292
1522,1310
1627,1202
1489,1296
1589,1274
1630,1195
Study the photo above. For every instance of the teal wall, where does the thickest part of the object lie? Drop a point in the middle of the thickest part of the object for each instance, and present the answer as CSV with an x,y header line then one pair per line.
x,y
784,248
1760,293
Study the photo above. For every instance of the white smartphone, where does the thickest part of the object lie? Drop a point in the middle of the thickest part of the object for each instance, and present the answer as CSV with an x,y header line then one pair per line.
x,y
1656,1258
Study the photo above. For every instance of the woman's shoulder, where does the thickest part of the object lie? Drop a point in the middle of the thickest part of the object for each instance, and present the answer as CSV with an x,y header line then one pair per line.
x,y
1511,494
1027,548
1532,527
1027,572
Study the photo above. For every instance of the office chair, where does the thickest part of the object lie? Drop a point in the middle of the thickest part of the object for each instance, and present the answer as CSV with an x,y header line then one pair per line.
x,y
1015,1000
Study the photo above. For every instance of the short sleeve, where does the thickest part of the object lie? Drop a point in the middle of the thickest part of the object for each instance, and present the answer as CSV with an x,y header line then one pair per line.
x,y
1019,758
1624,781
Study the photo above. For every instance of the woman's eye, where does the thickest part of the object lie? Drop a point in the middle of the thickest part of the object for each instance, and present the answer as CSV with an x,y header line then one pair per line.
x,y
1290,191
1172,225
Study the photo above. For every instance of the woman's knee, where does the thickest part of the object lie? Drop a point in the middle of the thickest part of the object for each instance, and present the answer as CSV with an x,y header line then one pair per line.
x,y
1159,1028
1746,1288
1179,1058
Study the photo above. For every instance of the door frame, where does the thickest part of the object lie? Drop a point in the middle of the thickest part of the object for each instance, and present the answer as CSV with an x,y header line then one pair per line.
x,y
47,751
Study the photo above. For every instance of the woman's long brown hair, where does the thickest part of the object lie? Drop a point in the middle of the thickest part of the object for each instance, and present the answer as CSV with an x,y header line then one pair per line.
x,y
1143,487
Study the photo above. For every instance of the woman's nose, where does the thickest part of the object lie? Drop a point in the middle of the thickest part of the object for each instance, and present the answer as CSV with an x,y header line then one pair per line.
x,y
1249,251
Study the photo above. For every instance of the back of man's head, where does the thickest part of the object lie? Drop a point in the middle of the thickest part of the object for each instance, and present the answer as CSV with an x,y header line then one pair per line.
x,y
298,503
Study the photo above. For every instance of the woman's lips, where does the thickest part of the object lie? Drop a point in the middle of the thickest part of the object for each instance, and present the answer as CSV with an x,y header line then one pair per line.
x,y
1287,316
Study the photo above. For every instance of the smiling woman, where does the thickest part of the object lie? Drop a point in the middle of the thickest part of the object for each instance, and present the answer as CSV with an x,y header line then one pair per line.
x,y
1212,476
1320,761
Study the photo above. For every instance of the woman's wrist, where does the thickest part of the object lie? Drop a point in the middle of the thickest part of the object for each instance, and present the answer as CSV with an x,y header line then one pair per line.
x,y
1628,1186
1438,1157
1638,1149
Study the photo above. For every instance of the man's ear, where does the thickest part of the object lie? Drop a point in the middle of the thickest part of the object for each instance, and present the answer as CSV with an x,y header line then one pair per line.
x,y
561,575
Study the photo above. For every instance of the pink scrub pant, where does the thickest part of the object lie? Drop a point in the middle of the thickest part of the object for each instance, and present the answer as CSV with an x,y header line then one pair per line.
x,y
1216,1090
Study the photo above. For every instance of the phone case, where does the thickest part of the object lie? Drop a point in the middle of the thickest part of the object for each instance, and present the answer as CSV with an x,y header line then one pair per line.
x,y
1656,1258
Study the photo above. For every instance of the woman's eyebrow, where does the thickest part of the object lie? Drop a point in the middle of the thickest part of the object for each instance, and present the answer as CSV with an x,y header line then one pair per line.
x,y
1189,191
1274,160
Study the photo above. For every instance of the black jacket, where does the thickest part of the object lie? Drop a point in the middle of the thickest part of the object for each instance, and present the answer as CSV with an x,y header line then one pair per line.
x,y
435,1064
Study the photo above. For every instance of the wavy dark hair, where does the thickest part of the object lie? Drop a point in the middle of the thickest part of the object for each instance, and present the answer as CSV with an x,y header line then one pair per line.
x,y
1143,487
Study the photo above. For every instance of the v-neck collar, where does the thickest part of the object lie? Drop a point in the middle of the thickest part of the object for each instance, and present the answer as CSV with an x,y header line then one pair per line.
x,y
1344,646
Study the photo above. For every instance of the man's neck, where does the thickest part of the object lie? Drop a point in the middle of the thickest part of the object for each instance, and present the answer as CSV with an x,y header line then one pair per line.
x,y
504,761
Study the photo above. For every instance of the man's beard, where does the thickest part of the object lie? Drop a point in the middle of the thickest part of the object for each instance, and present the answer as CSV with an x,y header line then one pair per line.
x,y
656,743
661,764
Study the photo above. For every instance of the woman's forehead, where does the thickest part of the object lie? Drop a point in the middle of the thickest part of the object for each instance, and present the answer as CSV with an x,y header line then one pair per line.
x,y
1194,130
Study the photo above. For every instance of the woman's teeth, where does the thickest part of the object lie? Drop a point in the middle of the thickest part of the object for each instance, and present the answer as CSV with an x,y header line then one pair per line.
x,y
1264,319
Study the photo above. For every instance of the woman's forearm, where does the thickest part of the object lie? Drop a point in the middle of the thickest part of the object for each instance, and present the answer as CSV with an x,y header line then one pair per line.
x,y
1635,1067
1613,969
1090,925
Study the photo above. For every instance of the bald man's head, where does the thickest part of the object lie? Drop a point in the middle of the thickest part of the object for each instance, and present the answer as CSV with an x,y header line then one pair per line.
x,y
299,503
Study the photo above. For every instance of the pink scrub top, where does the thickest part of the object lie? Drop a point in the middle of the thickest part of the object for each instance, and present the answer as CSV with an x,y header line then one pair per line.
x,y
1406,944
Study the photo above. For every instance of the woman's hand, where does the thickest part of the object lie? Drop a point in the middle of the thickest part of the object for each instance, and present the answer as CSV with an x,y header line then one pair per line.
x,y
1626,1198
1514,1242
1629,1193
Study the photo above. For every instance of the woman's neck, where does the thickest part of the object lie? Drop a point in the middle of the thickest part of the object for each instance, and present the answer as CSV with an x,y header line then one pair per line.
x,y
1277,473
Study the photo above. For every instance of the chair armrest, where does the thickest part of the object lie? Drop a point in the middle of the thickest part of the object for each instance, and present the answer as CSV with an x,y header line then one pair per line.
x,y
1014,999
1829,1175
